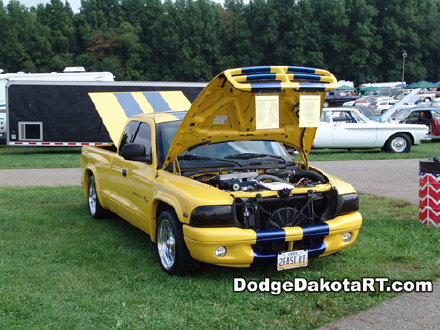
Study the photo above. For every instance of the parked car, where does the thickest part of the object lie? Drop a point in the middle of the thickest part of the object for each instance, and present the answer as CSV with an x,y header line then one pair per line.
x,y
368,100
215,184
380,106
338,97
349,128
429,116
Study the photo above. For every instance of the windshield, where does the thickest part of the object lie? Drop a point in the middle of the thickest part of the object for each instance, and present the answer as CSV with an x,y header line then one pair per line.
x,y
230,152
401,115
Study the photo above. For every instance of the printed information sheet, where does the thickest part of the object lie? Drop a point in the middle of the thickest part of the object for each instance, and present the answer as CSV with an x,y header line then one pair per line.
x,y
309,110
267,111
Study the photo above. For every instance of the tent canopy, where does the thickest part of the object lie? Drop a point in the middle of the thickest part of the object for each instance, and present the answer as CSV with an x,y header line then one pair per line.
x,y
345,88
422,84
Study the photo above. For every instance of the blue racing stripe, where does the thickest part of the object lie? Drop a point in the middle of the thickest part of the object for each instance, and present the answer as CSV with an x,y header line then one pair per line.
x,y
271,85
157,101
308,76
312,85
272,235
300,69
256,69
263,258
321,229
266,76
129,104
316,251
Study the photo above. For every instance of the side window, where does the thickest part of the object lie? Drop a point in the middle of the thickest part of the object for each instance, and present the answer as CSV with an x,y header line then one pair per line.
x,y
325,118
143,136
413,118
435,114
129,133
342,117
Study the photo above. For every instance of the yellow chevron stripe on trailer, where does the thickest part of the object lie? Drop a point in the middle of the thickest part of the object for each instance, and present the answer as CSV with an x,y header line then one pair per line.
x,y
116,107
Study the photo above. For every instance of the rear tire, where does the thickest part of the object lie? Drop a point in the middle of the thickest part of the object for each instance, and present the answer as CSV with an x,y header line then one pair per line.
x,y
398,143
95,208
174,257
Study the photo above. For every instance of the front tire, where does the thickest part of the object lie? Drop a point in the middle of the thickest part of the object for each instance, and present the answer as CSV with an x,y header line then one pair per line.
x,y
398,143
173,255
95,208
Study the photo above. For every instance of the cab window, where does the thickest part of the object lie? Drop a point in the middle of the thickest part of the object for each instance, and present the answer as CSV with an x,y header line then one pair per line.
x,y
129,133
143,136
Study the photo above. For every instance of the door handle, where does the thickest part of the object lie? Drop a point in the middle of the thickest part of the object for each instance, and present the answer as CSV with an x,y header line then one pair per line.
x,y
124,172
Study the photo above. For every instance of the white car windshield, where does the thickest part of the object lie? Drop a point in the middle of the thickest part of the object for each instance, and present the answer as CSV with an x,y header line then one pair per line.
x,y
401,115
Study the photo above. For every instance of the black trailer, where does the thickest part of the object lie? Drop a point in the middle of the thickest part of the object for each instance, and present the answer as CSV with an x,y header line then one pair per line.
x,y
63,114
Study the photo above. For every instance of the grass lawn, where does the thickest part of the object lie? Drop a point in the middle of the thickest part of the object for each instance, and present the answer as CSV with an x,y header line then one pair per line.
x,y
59,157
39,157
62,270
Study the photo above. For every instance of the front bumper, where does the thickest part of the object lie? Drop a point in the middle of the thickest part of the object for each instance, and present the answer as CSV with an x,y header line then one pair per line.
x,y
240,243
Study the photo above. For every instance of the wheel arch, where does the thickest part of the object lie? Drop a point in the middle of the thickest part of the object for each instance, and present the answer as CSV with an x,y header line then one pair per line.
x,y
88,172
86,179
408,134
159,206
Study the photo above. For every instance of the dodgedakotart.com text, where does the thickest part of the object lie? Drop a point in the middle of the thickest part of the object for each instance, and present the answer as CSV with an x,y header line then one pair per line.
x,y
366,284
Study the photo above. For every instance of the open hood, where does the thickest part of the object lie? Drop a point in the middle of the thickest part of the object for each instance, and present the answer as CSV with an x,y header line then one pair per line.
x,y
278,103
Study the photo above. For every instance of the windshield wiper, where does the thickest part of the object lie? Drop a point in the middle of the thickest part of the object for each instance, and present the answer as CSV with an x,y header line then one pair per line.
x,y
197,157
249,155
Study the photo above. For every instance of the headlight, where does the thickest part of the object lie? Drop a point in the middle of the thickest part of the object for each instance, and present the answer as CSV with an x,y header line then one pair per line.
x,y
213,216
348,203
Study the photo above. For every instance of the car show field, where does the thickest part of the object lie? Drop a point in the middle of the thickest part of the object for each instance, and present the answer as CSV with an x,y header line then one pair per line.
x,y
66,271
157,172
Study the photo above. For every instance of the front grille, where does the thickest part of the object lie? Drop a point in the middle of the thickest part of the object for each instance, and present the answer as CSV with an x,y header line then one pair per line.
x,y
278,212
272,248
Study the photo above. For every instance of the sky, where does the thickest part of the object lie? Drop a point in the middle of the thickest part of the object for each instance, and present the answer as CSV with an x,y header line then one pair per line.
x,y
75,4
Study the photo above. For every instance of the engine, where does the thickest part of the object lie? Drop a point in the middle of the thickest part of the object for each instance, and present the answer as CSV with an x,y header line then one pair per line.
x,y
269,179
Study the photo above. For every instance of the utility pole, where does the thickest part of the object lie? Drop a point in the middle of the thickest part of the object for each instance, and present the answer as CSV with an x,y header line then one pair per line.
x,y
404,56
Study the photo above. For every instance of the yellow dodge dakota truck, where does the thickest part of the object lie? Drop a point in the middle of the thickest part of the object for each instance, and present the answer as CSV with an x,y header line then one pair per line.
x,y
215,184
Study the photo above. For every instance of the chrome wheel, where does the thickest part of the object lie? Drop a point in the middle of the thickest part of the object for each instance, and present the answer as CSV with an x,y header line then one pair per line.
x,y
166,244
92,196
399,144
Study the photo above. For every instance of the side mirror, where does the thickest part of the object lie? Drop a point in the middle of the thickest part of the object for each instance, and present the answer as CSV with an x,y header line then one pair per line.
x,y
135,151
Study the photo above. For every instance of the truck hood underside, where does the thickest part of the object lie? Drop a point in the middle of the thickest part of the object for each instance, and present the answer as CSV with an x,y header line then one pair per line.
x,y
256,103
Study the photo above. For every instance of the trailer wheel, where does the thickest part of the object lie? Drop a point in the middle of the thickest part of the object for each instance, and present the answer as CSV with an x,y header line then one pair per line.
x,y
173,255
95,208
398,143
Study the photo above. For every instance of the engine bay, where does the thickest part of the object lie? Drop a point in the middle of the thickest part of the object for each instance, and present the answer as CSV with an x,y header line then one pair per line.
x,y
283,209
258,180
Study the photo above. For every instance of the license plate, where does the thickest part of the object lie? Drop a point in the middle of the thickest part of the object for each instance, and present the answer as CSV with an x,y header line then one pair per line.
x,y
292,259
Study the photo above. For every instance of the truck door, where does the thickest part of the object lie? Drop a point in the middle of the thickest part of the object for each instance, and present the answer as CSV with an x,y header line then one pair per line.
x,y
132,180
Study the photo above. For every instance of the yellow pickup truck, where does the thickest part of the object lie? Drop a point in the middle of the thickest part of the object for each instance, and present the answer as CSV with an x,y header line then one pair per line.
x,y
213,182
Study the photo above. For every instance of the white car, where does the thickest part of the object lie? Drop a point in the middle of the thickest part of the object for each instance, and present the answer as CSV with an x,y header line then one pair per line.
x,y
381,106
349,128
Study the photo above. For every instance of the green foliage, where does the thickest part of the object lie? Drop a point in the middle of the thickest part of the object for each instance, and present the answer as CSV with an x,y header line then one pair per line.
x,y
193,40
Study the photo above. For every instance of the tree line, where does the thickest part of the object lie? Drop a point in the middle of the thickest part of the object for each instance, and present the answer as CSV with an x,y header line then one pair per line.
x,y
193,40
